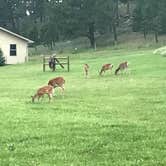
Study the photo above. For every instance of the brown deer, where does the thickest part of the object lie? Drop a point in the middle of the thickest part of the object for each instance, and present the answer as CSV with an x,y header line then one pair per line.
x,y
121,67
57,82
48,89
86,69
105,67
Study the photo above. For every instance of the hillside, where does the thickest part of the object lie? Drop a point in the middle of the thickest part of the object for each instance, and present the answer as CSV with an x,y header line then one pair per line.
x,y
129,40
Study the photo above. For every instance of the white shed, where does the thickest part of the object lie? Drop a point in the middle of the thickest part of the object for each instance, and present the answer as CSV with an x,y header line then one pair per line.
x,y
13,46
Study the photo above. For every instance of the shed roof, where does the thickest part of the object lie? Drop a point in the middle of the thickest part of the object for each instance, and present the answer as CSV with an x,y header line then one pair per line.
x,y
16,35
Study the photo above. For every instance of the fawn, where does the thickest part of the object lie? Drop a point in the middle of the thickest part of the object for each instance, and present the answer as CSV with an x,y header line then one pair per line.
x,y
121,67
57,82
49,90
105,67
86,69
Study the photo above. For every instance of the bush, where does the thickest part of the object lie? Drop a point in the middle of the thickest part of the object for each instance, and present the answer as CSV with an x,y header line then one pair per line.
x,y
2,58
161,51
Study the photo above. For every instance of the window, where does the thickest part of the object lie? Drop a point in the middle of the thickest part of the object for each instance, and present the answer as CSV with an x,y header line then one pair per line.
x,y
13,50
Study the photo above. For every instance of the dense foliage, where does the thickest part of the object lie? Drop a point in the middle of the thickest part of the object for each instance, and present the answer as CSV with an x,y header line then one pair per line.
x,y
48,21
2,59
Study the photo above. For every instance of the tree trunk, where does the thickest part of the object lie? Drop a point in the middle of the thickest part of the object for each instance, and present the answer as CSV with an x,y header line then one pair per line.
x,y
114,32
115,20
145,33
51,45
41,19
117,11
91,35
128,7
156,36
13,24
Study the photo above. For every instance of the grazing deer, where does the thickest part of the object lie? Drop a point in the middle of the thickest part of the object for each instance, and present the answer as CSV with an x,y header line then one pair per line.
x,y
121,67
105,67
49,90
86,69
57,82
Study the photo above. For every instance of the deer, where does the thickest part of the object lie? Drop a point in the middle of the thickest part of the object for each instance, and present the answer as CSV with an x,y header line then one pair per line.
x,y
48,89
105,67
122,66
57,82
86,69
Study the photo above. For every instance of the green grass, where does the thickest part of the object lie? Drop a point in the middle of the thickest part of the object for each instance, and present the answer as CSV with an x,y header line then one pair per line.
x,y
108,120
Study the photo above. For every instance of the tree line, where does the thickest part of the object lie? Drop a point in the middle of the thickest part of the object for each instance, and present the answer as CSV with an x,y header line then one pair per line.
x,y
49,21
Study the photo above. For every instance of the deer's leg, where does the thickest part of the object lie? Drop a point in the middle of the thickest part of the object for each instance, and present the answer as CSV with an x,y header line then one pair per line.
x,y
49,96
40,97
34,97
53,92
126,70
101,71
123,71
86,73
63,90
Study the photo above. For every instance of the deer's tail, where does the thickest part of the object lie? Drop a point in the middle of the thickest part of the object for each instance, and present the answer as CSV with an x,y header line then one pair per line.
x,y
116,71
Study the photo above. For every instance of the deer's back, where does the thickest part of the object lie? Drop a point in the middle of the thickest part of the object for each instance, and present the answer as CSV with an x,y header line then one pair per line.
x,y
45,89
107,66
123,65
58,81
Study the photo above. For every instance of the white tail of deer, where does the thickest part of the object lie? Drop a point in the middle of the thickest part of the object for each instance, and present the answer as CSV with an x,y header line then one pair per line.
x,y
57,82
49,90
105,67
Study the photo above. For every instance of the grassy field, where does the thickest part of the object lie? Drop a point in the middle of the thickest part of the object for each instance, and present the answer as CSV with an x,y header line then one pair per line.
x,y
109,120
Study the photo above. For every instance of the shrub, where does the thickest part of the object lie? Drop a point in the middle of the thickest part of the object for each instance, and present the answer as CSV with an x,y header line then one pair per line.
x,y
161,51
2,58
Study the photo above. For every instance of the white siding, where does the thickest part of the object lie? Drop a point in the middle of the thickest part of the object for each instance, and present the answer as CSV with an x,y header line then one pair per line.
x,y
21,47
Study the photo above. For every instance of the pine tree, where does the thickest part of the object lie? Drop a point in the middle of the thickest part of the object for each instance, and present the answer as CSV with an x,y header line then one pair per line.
x,y
2,59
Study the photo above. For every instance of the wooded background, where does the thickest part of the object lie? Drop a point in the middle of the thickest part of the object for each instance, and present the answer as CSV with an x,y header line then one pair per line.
x,y
49,21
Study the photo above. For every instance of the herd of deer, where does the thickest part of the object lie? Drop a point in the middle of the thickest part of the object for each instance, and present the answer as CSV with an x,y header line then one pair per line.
x,y
60,81
108,66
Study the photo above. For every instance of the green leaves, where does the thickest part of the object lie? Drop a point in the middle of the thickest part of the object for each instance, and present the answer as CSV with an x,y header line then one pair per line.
x,y
2,59
149,17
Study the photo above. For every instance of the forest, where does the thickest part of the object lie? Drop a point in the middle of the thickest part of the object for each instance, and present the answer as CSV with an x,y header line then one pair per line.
x,y
49,21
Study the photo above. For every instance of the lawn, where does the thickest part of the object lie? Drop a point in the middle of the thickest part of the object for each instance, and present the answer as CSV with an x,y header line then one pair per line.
x,y
109,120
